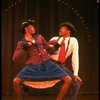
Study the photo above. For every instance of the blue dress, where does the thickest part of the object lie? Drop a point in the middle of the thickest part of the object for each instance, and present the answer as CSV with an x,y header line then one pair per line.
x,y
39,64
46,70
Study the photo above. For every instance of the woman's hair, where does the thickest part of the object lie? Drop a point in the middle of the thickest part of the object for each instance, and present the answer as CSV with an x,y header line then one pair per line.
x,y
25,24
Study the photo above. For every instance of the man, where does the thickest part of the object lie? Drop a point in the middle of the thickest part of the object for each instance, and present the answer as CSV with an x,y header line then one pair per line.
x,y
69,47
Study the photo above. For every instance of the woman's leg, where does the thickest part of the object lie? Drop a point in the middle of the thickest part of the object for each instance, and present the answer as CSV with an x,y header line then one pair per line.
x,y
17,87
67,81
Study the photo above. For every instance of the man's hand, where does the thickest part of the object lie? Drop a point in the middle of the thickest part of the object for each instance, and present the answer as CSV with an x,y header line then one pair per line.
x,y
78,78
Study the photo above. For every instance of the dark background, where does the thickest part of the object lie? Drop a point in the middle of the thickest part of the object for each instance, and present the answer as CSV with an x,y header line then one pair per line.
x,y
48,14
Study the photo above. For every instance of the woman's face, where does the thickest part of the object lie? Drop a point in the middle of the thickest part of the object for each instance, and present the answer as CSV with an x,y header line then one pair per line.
x,y
30,29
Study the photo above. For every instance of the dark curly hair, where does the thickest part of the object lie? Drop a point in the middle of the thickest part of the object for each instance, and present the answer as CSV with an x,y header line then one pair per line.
x,y
25,24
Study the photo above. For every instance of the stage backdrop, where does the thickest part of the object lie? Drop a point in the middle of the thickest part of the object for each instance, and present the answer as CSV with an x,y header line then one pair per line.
x,y
48,14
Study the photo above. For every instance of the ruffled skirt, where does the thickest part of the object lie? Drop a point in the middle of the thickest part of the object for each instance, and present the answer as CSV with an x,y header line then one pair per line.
x,y
46,70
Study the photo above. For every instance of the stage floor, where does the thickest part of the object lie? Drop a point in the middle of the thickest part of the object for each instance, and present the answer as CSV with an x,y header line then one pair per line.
x,y
51,97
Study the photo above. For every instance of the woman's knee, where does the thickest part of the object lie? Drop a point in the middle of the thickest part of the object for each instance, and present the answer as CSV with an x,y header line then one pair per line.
x,y
17,81
67,79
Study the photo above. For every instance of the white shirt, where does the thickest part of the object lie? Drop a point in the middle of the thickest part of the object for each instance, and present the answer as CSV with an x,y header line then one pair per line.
x,y
72,49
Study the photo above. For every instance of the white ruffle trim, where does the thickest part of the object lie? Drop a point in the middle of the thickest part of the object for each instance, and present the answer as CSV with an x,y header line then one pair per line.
x,y
41,85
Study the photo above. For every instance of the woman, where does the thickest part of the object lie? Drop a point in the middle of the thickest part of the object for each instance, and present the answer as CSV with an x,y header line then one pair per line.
x,y
38,64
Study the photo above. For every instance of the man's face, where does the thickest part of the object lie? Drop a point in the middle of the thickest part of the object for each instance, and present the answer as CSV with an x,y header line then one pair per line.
x,y
64,31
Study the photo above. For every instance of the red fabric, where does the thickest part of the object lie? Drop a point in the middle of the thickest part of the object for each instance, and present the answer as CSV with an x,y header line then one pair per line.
x,y
62,52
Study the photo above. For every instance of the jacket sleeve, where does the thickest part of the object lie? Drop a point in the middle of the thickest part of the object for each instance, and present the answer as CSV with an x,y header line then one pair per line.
x,y
20,55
